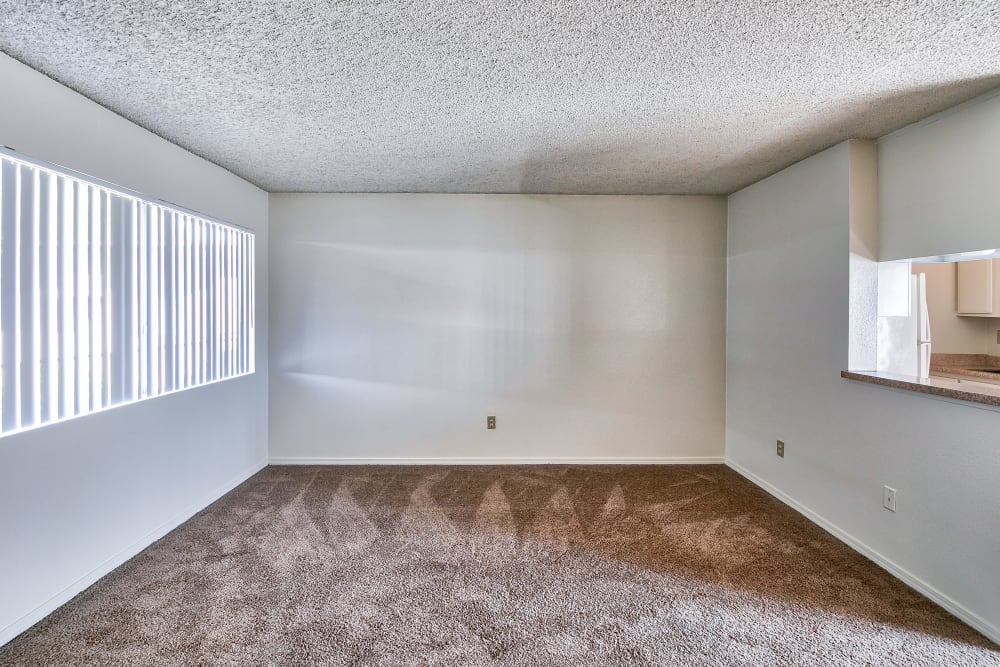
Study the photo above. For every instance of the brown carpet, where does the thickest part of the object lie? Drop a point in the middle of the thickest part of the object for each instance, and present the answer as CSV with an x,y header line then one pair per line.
x,y
538,565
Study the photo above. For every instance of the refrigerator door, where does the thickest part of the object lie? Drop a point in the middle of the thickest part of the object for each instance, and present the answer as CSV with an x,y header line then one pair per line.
x,y
899,348
923,327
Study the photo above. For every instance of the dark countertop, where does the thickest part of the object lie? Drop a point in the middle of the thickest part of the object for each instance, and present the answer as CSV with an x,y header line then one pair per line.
x,y
966,365
946,387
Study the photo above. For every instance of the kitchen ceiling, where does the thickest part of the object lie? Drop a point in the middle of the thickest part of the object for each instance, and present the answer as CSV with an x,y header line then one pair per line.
x,y
626,96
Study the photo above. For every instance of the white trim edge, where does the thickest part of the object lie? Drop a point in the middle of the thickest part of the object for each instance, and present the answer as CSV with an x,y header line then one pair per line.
x,y
65,595
495,460
964,614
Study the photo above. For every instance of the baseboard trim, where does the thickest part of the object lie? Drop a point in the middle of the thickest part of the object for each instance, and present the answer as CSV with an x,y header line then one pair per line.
x,y
65,595
496,460
964,614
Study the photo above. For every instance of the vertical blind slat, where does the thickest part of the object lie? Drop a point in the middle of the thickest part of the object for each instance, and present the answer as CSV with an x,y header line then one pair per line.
x,y
29,298
134,371
67,299
243,307
50,293
161,272
188,296
174,361
203,269
251,306
8,283
94,307
209,303
229,302
196,302
118,301
35,412
243,310
153,310
142,256
25,320
203,282
107,323
183,326
217,301
82,363
166,301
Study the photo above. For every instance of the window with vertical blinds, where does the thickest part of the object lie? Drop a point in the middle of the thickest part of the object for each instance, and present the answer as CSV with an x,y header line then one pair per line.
x,y
107,298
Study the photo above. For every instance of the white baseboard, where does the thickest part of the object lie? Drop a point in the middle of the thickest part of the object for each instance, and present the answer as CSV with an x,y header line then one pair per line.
x,y
915,582
493,460
65,595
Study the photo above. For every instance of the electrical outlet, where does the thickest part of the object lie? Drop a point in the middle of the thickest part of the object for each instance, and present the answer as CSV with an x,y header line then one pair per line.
x,y
889,498
491,422
781,448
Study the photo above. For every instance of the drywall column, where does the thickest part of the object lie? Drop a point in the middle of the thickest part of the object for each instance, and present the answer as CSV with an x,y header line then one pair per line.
x,y
863,247
787,341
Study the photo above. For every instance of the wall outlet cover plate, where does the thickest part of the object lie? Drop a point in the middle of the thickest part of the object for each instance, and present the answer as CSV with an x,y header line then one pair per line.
x,y
889,498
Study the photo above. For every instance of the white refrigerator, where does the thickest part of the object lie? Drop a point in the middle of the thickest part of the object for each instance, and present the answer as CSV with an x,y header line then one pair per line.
x,y
904,341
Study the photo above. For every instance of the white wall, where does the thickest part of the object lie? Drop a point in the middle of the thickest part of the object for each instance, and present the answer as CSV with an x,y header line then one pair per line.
x,y
79,497
787,341
593,327
938,189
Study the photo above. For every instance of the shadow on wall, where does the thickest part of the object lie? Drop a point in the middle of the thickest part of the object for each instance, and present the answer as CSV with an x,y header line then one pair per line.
x,y
515,308
447,319
465,314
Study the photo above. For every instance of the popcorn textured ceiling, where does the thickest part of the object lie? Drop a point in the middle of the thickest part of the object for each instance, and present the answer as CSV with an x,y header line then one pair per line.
x,y
532,96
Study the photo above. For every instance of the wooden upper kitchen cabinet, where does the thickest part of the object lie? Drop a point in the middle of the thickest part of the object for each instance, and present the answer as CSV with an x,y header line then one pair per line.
x,y
978,286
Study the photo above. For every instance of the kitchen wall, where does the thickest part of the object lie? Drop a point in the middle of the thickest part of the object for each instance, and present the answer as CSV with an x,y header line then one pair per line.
x,y
787,341
593,327
79,497
949,332
993,336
